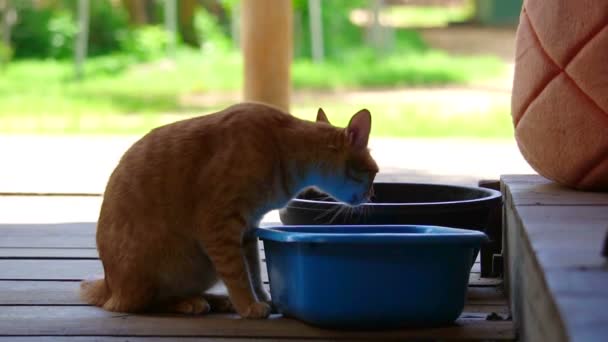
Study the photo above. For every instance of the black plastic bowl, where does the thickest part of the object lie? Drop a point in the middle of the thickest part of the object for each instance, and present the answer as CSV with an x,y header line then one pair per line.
x,y
399,203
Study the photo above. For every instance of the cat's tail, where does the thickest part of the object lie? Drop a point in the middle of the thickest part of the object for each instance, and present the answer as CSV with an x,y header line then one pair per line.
x,y
95,291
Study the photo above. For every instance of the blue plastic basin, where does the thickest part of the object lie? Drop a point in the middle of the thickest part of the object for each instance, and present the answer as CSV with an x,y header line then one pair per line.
x,y
369,277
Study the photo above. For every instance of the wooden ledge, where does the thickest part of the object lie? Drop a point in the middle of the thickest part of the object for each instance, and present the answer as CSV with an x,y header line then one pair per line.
x,y
557,277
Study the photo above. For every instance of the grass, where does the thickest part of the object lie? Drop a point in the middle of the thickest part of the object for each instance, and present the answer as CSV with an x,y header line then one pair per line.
x,y
421,120
420,69
119,96
426,119
389,121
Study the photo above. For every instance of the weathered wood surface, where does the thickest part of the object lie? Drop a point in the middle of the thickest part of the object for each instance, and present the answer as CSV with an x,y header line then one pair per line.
x,y
48,253
77,269
480,301
83,320
146,339
557,277
538,191
40,269
141,339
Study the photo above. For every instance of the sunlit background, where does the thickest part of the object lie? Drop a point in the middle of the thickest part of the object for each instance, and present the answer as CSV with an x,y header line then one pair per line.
x,y
436,75
425,68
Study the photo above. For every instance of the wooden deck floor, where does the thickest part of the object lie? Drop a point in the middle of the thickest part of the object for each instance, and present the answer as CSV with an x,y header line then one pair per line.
x,y
41,266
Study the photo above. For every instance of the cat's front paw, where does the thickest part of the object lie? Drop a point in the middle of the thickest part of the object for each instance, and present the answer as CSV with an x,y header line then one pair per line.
x,y
257,310
262,295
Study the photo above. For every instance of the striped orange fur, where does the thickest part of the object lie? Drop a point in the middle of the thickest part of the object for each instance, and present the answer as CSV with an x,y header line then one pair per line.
x,y
177,208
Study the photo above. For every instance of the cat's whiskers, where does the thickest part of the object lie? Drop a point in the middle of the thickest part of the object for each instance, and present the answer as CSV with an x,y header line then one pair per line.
x,y
367,211
338,212
351,211
327,212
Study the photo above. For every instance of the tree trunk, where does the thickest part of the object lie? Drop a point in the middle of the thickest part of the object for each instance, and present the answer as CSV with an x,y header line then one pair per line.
x,y
267,49
316,30
186,22
171,25
138,15
80,52
235,25
7,19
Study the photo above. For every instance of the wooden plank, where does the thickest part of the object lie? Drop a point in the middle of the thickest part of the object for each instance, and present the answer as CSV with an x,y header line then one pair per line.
x,y
566,236
536,190
587,282
16,269
484,300
82,320
48,253
39,293
566,242
65,235
564,218
486,295
28,292
557,277
77,269
475,279
535,315
524,179
143,339
578,310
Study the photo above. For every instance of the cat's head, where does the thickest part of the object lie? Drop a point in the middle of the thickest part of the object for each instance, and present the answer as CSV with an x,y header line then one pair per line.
x,y
349,170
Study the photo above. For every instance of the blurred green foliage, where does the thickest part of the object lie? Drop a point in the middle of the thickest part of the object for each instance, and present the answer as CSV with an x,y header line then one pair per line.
x,y
49,31
108,28
334,18
146,43
33,36
212,36
6,54
127,71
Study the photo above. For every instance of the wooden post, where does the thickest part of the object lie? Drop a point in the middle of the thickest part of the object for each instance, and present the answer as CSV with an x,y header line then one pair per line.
x,y
266,35
80,52
171,25
316,30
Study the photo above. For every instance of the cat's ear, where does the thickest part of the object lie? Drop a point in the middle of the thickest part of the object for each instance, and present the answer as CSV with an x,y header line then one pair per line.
x,y
321,117
359,127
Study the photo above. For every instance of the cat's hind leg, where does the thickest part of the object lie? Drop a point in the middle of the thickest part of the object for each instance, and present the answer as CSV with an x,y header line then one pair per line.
x,y
195,305
130,297
219,303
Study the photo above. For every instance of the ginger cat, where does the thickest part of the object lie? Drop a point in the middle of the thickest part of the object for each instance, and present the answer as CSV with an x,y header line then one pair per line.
x,y
177,207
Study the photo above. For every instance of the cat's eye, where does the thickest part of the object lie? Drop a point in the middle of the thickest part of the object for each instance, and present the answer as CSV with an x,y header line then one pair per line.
x,y
355,174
